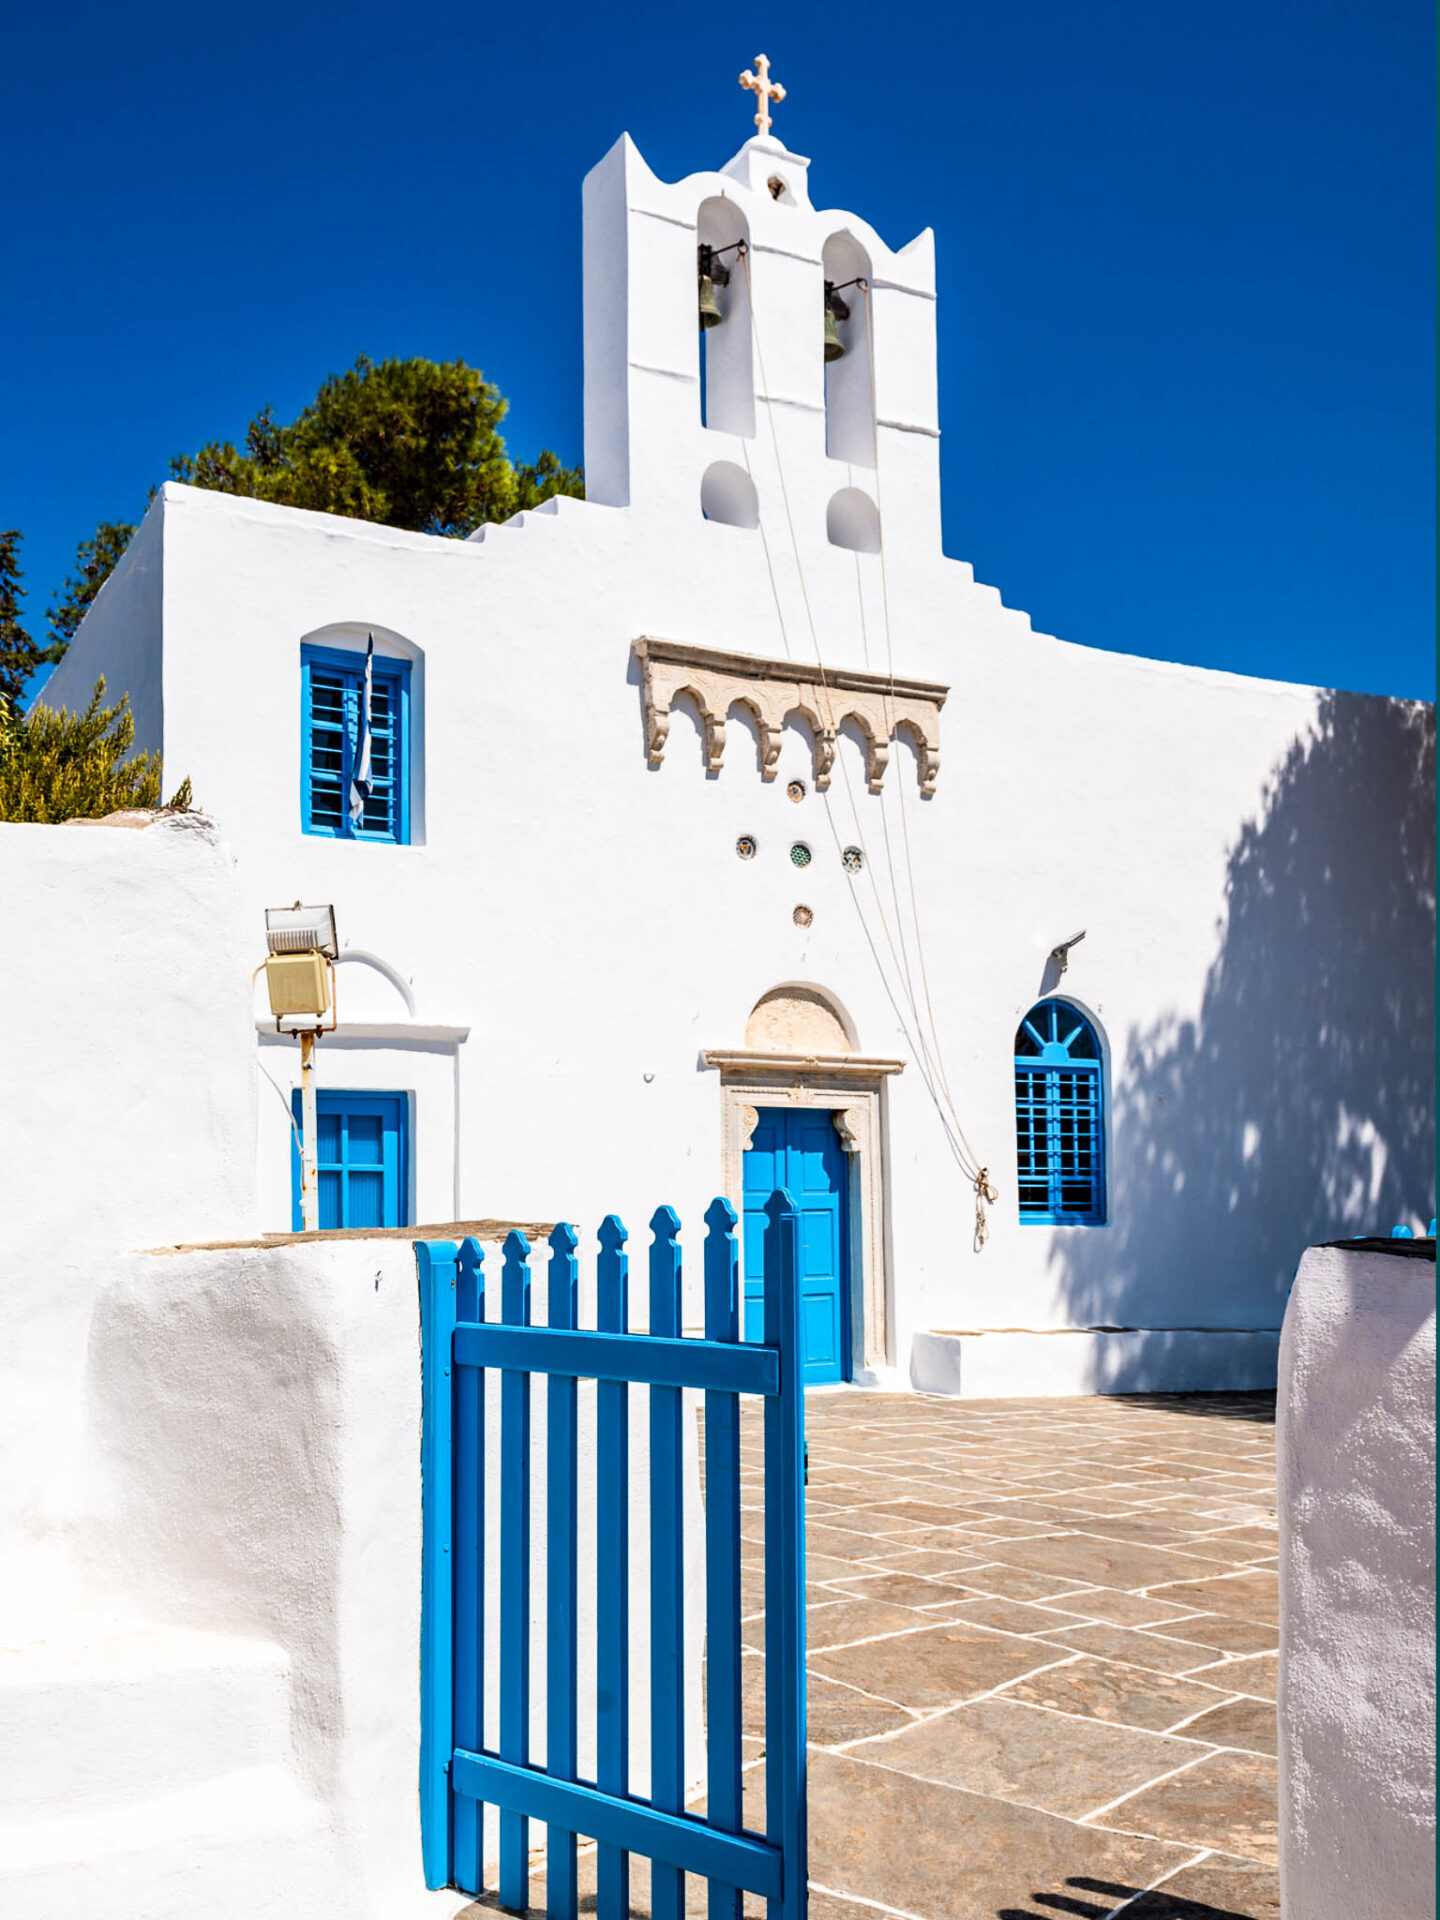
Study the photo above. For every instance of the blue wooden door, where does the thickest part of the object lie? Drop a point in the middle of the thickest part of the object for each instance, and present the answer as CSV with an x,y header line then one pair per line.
x,y
798,1148
360,1160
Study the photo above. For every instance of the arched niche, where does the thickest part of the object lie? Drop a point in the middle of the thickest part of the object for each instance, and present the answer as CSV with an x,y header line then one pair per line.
x,y
727,494
853,520
798,1019
727,384
849,402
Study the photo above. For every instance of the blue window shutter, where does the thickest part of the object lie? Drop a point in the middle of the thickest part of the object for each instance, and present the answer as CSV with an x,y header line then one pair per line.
x,y
1059,1118
332,691
362,1160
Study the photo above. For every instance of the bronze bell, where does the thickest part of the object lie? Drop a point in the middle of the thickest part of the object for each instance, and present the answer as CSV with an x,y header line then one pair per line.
x,y
712,275
835,310
710,314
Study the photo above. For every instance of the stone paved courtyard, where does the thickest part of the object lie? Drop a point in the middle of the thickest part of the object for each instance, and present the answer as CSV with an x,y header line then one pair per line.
x,y
1042,1653
1042,1657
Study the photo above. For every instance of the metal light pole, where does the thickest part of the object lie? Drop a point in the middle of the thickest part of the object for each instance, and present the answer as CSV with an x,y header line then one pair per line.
x,y
299,975
309,1183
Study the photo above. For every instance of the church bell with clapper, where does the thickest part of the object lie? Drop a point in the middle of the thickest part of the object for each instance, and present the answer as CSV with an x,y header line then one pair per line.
x,y
712,275
835,310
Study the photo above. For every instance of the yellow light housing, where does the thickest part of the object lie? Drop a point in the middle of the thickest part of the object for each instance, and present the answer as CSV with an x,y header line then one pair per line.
x,y
298,983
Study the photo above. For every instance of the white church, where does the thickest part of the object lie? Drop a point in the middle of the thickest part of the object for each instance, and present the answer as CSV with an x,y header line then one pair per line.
x,y
720,832
724,829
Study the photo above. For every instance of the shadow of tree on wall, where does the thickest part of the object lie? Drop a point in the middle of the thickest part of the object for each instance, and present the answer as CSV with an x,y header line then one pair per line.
x,y
1299,1105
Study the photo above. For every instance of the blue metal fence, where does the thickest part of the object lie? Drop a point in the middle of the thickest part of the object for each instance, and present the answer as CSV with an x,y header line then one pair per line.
x,y
459,1775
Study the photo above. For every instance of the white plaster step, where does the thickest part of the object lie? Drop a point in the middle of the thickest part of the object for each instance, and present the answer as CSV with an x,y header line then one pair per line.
x,y
517,521
94,1719
249,1845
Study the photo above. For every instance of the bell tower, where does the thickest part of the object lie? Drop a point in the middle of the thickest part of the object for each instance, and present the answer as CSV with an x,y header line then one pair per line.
x,y
747,354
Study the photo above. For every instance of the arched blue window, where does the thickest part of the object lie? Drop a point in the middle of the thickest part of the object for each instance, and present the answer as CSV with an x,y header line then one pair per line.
x,y
1059,1118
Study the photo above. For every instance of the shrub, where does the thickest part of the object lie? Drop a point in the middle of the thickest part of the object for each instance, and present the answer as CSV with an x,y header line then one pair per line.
x,y
72,766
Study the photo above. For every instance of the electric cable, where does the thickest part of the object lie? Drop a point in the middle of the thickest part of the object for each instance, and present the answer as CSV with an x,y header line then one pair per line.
x,y
931,1067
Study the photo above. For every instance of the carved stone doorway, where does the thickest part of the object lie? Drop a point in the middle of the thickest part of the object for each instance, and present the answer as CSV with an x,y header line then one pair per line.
x,y
799,1072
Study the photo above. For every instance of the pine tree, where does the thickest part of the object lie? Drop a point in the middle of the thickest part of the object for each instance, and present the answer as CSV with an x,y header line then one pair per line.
x,y
19,655
95,561
407,443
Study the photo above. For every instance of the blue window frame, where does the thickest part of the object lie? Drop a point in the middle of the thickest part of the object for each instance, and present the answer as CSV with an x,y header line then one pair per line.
x,y
333,692
1059,1118
362,1155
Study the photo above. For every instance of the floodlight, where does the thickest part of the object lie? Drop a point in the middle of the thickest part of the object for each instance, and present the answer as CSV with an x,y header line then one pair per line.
x,y
300,929
299,976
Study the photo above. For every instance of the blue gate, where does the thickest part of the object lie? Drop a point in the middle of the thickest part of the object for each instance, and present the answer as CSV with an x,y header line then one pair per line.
x,y
458,1774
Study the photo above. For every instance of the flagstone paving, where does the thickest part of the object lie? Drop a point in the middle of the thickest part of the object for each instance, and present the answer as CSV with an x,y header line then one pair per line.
x,y
1042,1657
1042,1648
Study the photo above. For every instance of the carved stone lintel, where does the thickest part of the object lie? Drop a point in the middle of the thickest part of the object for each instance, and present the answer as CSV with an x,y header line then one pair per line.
x,y
929,767
657,729
824,758
774,690
849,1138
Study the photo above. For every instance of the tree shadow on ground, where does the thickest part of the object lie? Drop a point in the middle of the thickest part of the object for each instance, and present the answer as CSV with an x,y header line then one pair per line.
x,y
1257,1408
1297,1107
1098,1899
1106,1897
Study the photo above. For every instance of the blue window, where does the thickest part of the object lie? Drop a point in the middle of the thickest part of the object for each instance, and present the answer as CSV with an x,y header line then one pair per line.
x,y
332,703
362,1159
1059,1118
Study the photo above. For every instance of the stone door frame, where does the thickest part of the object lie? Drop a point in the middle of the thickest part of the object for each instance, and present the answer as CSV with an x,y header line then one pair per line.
x,y
851,1087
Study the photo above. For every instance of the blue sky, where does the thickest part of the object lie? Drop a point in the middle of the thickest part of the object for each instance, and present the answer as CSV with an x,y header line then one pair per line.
x,y
1185,262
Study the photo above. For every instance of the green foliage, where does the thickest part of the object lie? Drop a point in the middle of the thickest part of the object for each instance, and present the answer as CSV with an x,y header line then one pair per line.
x,y
95,561
407,443
19,654
70,766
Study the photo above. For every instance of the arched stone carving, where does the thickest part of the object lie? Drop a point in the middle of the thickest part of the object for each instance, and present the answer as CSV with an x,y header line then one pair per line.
x,y
774,689
798,1020
845,1127
749,1120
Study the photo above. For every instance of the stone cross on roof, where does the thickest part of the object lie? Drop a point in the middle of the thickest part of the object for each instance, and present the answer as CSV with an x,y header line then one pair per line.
x,y
765,90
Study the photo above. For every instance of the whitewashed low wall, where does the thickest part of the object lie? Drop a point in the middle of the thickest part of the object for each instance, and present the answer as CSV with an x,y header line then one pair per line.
x,y
257,1422
127,1110
997,1366
1356,1435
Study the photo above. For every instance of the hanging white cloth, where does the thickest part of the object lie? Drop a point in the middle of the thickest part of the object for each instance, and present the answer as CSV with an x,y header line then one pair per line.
x,y
361,783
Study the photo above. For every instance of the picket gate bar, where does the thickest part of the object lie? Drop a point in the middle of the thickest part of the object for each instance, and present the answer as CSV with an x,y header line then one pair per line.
x,y
459,1775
